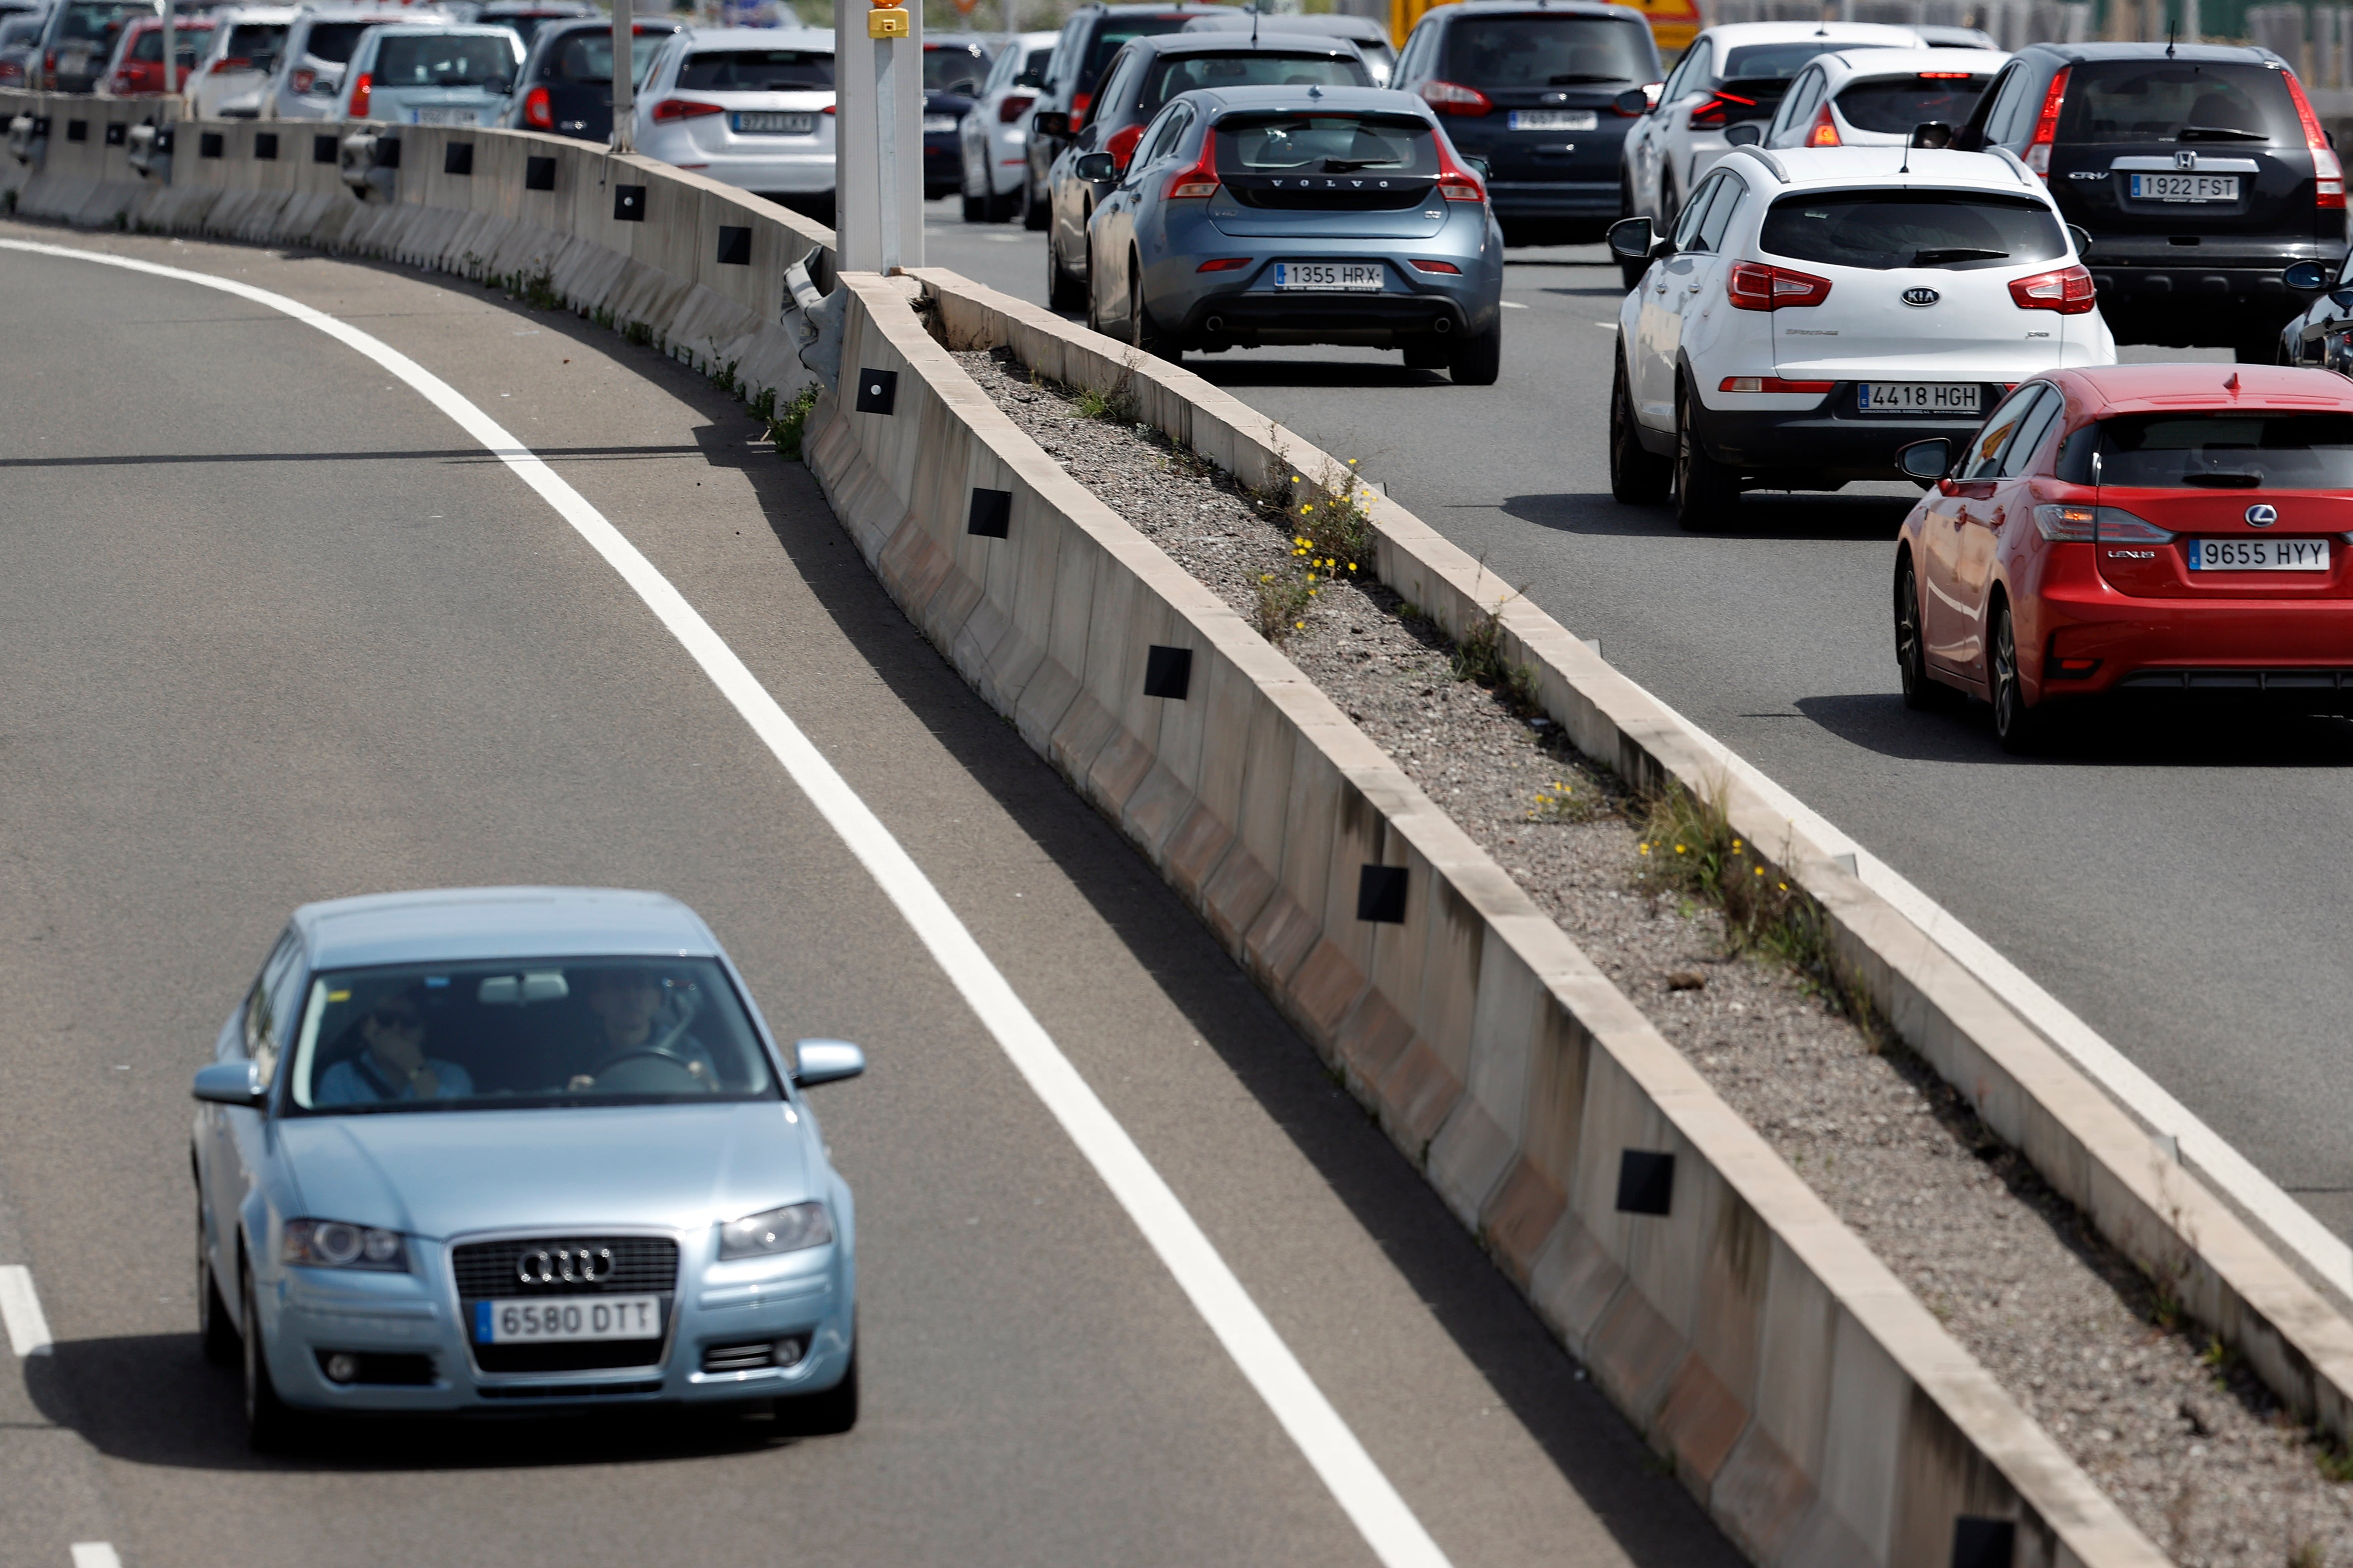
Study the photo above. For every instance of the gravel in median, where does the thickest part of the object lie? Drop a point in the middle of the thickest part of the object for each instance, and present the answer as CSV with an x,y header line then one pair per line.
x,y
2189,1444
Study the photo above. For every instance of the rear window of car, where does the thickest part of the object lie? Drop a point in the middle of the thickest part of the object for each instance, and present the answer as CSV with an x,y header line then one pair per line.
x,y
955,67
586,56
523,1034
1882,230
1185,73
757,70
1117,32
1327,145
334,41
1544,52
2186,101
1767,62
1899,103
149,45
257,43
442,60
88,24
2227,450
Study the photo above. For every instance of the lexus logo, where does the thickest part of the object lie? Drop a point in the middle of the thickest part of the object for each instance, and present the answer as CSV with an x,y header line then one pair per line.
x,y
2261,516
2185,159
571,1265
1920,296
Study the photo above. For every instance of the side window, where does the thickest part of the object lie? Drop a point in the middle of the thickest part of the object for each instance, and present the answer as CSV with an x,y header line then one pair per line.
x,y
1983,459
1728,192
2004,109
1687,231
1696,73
1007,58
2032,432
1793,107
1164,134
273,1004
1066,55
1408,65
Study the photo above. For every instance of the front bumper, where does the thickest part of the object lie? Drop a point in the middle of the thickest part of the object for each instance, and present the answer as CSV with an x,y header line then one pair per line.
x,y
1829,437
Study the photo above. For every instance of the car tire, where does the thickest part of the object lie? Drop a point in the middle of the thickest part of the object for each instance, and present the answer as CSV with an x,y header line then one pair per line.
x,y
1707,493
1035,214
2018,727
217,1332
269,1426
1143,331
1477,361
1638,477
826,1415
1428,353
1064,293
1921,690
998,205
975,209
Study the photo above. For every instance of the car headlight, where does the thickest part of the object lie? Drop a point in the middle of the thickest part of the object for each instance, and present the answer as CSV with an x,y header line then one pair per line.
x,y
787,1230
333,1244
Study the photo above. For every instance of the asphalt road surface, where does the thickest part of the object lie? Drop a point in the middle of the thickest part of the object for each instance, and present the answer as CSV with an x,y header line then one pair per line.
x,y
2178,878
275,630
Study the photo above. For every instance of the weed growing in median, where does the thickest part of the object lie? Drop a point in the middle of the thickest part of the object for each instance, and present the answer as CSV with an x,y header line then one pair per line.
x,y
1115,405
786,426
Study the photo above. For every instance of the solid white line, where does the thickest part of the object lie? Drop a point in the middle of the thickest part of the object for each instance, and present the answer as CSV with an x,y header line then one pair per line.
x,y
20,1310
1363,1493
95,1555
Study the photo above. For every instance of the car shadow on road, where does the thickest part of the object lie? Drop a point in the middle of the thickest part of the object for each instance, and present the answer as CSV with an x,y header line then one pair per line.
x,y
1260,371
1759,515
2135,731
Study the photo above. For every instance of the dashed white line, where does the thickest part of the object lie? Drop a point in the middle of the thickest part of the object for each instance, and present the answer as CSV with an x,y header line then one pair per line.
x,y
1512,305
20,1310
1323,1439
95,1555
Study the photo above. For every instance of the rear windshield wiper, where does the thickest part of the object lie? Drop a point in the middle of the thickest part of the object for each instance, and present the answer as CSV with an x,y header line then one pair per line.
x,y
1349,165
1568,78
2218,134
2222,480
1938,257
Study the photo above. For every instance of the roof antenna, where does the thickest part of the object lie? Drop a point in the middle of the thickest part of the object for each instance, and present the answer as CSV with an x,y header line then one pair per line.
x,y
2172,32
2232,385
1253,26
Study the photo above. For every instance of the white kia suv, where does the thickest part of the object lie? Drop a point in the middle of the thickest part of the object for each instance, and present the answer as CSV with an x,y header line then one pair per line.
x,y
1814,312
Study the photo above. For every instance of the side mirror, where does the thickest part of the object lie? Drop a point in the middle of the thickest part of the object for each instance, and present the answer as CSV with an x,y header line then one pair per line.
x,y
1746,134
2305,277
1927,459
1050,123
1478,166
1632,239
230,1083
825,1061
2342,298
1636,100
1095,166
1932,133
2081,237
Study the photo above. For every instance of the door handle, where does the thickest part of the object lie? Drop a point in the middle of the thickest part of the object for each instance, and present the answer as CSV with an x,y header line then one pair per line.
x,y
1693,289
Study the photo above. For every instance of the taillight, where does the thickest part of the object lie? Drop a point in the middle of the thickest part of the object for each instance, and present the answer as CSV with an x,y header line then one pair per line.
x,y
1772,384
1455,183
1447,98
1014,108
1445,267
1079,101
2328,174
2070,521
675,109
1200,181
1717,110
1945,76
1122,146
1824,132
2068,292
2046,127
1223,263
224,66
360,91
1757,287
303,80
539,109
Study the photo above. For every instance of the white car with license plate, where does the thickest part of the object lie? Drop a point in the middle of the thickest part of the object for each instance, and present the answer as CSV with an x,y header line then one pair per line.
x,y
1813,311
751,107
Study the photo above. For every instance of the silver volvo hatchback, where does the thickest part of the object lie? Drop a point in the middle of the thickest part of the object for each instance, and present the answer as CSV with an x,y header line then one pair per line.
x,y
1290,215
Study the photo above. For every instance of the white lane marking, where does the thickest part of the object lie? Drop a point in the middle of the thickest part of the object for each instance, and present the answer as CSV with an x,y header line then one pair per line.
x,y
2221,1163
1507,304
1355,1482
20,1310
95,1555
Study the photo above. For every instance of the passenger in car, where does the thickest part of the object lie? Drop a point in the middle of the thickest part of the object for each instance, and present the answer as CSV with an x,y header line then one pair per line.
x,y
391,1063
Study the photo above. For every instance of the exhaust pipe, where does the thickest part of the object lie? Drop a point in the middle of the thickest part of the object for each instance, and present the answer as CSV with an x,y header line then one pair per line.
x,y
1215,323
1443,326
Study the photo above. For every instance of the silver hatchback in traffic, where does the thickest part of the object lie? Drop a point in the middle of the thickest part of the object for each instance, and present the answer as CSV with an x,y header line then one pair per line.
x,y
1288,215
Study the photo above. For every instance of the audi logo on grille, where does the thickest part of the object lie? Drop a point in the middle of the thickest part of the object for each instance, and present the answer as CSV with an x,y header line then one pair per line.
x,y
570,1265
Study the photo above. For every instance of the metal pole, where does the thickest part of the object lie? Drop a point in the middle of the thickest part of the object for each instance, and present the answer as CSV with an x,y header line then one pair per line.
x,y
171,61
625,93
886,126
1013,22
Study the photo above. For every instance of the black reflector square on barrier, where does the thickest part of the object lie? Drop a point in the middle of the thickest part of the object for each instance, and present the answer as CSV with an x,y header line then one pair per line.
x,y
1168,672
630,203
1983,1542
878,391
79,130
1380,894
209,144
322,149
539,174
387,151
1646,1182
118,135
992,514
734,246
265,146
457,158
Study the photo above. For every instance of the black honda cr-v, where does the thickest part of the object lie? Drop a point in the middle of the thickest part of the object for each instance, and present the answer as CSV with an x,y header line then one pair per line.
x,y
2201,171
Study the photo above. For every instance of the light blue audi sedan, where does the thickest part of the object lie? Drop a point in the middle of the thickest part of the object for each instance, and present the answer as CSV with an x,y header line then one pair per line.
x,y
517,1149
1260,216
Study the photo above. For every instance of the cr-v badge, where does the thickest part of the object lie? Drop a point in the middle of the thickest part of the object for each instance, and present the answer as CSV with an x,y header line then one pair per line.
x,y
1920,296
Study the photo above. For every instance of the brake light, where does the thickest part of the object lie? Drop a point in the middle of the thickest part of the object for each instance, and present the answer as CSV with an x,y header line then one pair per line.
x,y
224,66
2068,292
1122,146
1824,132
1014,108
1455,183
1772,384
2046,127
539,109
671,109
2328,173
1943,76
1446,267
1079,101
1757,287
1223,263
1717,110
303,80
1200,181
2073,522
360,91
1449,98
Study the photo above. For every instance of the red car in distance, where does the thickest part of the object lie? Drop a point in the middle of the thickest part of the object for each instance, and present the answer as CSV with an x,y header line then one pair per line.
x,y
137,68
2135,527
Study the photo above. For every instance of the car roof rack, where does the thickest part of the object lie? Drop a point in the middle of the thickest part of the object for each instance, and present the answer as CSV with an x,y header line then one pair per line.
x,y
1772,164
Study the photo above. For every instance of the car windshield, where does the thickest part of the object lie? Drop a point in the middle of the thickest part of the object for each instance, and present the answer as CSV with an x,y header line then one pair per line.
x,y
149,45
93,24
256,45
525,1033
1545,51
1325,144
1899,103
2184,100
443,60
1117,32
334,41
586,56
757,70
954,67
1184,73
1882,230
1772,62
2228,449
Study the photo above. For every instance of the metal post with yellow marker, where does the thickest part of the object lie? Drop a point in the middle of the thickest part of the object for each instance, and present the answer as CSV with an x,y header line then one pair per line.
x,y
878,72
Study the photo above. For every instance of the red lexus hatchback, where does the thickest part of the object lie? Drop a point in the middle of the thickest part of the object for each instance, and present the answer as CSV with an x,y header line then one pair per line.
x,y
2135,527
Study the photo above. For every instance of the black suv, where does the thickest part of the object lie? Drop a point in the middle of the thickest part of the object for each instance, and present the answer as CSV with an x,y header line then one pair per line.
x,y
1535,91
2201,171
566,82
1090,38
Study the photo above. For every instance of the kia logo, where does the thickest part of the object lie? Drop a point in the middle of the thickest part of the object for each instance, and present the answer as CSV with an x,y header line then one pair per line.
x,y
1920,296
2261,516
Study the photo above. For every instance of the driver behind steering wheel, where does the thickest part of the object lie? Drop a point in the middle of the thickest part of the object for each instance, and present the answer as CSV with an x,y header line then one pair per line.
x,y
628,1005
